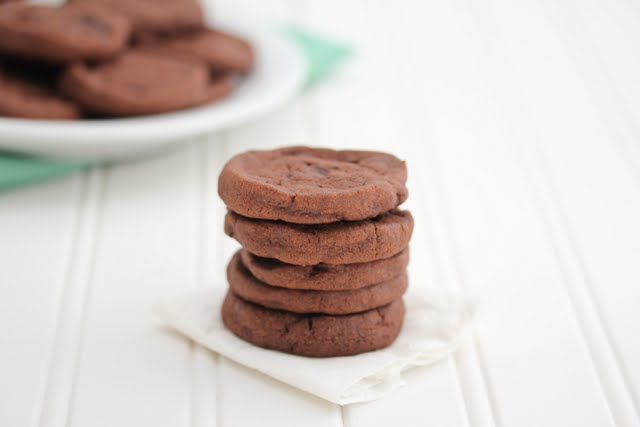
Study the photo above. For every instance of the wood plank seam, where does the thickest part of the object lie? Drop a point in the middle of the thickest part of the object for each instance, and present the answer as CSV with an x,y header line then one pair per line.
x,y
78,196
471,360
525,131
59,388
299,10
610,370
460,368
202,385
471,381
344,416
219,361
457,366
310,122
454,368
590,65
221,268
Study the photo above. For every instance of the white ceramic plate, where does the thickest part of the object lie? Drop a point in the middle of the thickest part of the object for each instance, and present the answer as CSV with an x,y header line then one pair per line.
x,y
279,73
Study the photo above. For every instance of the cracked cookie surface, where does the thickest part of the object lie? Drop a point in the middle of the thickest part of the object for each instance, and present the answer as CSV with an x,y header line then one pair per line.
x,y
336,243
243,284
313,335
305,185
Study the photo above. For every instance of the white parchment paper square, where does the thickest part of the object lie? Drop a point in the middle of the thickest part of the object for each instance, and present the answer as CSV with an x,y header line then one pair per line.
x,y
433,328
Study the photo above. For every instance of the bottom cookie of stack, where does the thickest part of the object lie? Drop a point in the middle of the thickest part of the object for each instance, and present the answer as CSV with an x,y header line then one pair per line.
x,y
314,335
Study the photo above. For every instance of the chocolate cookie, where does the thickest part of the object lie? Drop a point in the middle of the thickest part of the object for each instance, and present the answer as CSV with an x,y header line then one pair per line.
x,y
60,34
139,82
312,186
21,97
159,16
223,52
243,284
325,277
313,335
337,243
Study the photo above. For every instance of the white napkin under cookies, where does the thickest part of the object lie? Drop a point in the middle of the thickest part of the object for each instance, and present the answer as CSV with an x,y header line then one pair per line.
x,y
433,328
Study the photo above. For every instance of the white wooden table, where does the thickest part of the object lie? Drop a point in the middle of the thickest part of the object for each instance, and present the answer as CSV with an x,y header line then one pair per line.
x,y
520,121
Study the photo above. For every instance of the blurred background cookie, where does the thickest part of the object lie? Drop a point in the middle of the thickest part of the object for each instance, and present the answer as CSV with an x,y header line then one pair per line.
x,y
28,98
105,71
156,16
223,52
139,82
62,34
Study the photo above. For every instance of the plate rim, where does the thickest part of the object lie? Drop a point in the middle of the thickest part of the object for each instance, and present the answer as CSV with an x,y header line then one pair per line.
x,y
42,137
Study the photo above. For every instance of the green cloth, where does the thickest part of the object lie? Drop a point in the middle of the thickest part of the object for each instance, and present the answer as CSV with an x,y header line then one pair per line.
x,y
18,169
322,54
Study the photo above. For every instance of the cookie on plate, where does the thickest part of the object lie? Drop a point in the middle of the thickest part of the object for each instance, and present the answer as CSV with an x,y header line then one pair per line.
x,y
25,98
223,52
140,82
313,335
336,243
60,34
243,284
156,16
324,277
312,186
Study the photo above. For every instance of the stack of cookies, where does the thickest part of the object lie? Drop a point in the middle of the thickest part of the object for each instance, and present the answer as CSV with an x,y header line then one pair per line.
x,y
113,58
322,270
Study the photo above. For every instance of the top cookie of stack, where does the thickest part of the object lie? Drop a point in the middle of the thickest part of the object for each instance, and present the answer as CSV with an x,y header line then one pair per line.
x,y
324,244
313,186
113,58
